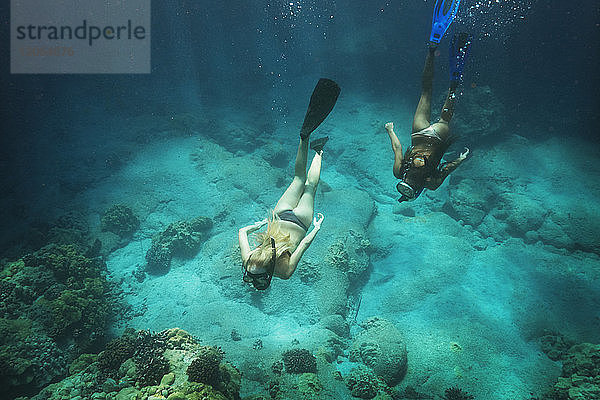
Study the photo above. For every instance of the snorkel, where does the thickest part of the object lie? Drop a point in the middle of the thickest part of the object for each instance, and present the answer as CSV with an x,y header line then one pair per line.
x,y
262,280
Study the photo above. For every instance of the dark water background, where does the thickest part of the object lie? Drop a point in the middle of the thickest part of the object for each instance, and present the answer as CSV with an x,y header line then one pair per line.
x,y
540,59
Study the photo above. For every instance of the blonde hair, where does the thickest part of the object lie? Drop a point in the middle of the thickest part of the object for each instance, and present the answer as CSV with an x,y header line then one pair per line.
x,y
263,253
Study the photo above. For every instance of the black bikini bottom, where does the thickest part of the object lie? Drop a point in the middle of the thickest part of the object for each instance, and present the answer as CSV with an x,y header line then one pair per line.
x,y
290,215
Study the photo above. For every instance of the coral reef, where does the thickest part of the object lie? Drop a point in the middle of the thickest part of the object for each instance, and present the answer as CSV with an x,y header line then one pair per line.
x,y
82,362
274,389
177,338
322,385
455,393
180,239
156,368
55,303
120,220
76,302
299,361
581,374
309,386
363,383
117,351
69,228
28,361
68,264
308,272
333,348
583,360
81,312
205,367
277,367
555,345
148,358
380,346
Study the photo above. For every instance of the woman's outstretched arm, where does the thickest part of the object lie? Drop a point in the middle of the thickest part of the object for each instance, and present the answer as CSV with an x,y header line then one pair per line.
x,y
243,237
396,147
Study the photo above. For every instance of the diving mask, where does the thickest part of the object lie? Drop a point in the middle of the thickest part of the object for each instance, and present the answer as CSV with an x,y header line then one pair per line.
x,y
262,280
408,192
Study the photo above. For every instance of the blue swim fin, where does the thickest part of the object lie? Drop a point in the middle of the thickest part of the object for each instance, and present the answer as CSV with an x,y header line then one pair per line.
x,y
459,51
443,15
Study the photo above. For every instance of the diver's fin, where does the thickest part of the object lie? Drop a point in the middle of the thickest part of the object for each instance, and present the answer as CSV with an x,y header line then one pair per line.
x,y
318,144
459,51
321,103
444,12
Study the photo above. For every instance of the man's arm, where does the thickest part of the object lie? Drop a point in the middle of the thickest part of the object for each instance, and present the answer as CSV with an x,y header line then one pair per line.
x,y
243,237
435,181
302,247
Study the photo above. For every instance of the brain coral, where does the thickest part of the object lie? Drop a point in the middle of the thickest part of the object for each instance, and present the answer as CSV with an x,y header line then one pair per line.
x,y
381,347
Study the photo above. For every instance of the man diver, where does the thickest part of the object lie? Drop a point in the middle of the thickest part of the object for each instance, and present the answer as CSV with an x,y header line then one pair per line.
x,y
287,236
419,168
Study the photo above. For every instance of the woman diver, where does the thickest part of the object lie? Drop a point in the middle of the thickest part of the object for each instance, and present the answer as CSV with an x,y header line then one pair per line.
x,y
419,168
286,238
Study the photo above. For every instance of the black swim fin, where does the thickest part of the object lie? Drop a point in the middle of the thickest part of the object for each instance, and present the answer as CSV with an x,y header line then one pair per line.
x,y
318,144
321,103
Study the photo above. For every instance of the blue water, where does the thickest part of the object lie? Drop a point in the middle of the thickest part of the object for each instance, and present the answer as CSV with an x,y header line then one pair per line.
x,y
503,253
